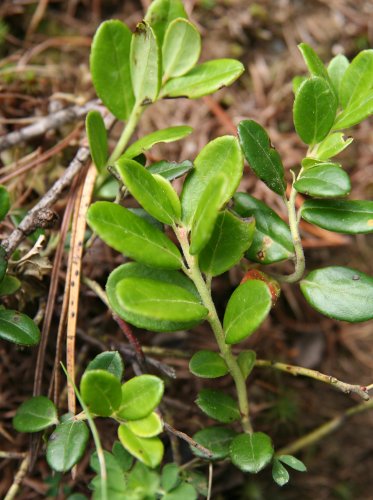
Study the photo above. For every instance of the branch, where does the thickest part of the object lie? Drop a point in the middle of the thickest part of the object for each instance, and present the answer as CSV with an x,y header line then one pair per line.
x,y
188,439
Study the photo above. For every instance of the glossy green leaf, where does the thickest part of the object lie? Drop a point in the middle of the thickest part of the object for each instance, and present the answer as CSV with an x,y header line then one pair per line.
x,y
208,364
138,271
313,162
184,491
220,156
263,159
147,191
66,445
272,238
336,70
128,233
218,405
4,202
207,211
321,182
146,216
204,79
159,301
97,139
170,170
3,263
293,462
216,439
101,392
145,64
314,111
170,476
161,13
110,67
279,473
314,63
35,414
149,426
251,452
170,193
340,293
147,450
246,362
247,308
9,285
124,459
110,361
170,134
115,482
356,112
332,145
181,48
349,217
229,241
357,79
140,396
18,328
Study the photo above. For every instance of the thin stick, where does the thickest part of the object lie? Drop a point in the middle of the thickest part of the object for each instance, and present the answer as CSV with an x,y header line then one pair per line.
x,y
13,490
188,439
209,488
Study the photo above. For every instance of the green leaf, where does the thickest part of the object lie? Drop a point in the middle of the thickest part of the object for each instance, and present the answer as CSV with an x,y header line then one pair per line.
x,y
297,82
145,64
170,477
159,301
35,414
349,217
220,156
169,134
314,111
336,70
138,271
101,392
18,328
149,426
314,63
216,439
143,482
147,191
357,79
324,182
66,445
251,452
149,451
184,491
208,364
263,159
170,170
170,193
110,67
207,211
161,13
332,145
218,405
356,112
4,202
293,462
204,79
97,139
128,233
110,361
247,308
116,485
181,48
9,285
279,473
229,241
272,238
140,396
124,459
340,293
246,362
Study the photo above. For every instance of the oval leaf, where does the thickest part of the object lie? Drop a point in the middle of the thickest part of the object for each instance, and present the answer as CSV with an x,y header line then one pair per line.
x,y
148,450
279,473
35,414
336,70
340,293
170,134
216,439
101,391
110,361
128,233
247,308
349,217
170,170
261,156
170,476
18,328
208,364
293,462
332,145
356,112
185,491
357,79
110,67
161,13
140,396
251,452
218,405
66,445
97,139
149,426
314,63
181,48
246,362
321,182
4,202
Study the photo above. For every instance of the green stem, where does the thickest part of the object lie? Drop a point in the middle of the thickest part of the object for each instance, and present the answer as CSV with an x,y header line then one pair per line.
x,y
194,273
127,133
